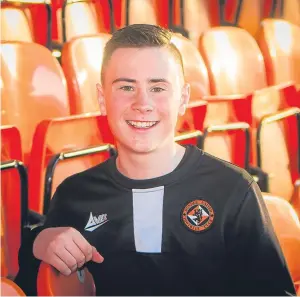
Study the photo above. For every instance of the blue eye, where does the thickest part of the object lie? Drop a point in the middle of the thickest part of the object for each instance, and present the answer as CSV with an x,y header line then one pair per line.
x,y
127,88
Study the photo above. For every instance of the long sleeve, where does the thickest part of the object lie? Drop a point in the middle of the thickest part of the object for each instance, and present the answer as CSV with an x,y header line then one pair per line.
x,y
258,263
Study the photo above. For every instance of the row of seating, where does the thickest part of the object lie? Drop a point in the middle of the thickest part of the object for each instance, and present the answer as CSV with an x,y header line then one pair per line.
x,y
195,16
49,92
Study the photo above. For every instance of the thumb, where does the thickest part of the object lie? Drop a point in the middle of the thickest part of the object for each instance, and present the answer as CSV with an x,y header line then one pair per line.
x,y
96,256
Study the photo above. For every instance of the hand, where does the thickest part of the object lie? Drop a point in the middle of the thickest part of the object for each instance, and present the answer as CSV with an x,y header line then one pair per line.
x,y
65,249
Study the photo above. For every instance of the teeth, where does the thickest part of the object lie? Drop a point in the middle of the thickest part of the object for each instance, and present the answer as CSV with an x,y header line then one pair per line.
x,y
141,124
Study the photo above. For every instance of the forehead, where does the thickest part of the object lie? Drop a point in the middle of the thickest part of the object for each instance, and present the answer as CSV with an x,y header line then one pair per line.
x,y
142,63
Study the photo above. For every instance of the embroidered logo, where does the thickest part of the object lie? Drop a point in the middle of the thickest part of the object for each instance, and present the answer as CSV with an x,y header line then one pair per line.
x,y
198,215
95,222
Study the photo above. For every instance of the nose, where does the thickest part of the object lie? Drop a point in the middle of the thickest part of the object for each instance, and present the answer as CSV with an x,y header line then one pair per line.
x,y
142,102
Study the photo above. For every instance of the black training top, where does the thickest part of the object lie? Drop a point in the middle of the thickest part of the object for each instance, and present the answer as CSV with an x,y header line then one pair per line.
x,y
202,229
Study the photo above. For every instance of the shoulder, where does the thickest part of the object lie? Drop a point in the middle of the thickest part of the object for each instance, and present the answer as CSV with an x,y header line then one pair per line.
x,y
219,171
85,179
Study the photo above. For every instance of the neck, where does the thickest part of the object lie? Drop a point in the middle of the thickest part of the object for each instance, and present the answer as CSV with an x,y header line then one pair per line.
x,y
149,165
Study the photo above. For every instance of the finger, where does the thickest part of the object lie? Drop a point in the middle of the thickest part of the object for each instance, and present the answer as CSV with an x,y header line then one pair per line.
x,y
83,245
60,265
96,256
67,258
75,251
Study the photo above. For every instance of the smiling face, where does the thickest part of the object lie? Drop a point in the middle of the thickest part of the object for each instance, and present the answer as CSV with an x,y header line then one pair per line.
x,y
143,93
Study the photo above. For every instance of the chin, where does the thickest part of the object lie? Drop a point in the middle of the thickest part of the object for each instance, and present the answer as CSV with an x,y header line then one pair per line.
x,y
140,147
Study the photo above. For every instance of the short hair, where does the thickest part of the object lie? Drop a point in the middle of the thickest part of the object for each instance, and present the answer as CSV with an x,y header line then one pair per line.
x,y
140,36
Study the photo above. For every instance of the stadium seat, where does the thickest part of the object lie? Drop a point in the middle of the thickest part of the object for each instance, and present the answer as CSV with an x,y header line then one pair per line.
x,y
196,16
16,24
227,127
13,201
287,228
33,88
194,67
142,12
51,283
9,288
55,136
193,118
279,43
95,17
234,61
82,60
278,151
291,11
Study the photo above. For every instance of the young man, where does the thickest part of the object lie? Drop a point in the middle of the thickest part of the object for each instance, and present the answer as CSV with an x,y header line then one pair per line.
x,y
160,218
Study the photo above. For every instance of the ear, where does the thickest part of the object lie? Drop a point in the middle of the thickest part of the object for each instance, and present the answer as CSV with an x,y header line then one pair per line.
x,y
101,99
185,98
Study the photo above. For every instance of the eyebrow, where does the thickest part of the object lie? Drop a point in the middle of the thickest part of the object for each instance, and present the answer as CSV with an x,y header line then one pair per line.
x,y
130,80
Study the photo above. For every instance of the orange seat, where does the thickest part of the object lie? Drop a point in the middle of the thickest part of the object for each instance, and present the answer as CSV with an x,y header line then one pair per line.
x,y
236,66
197,16
291,11
59,135
93,15
141,12
31,89
194,67
287,228
51,283
278,151
279,42
16,24
82,60
9,288
234,61
227,127
13,201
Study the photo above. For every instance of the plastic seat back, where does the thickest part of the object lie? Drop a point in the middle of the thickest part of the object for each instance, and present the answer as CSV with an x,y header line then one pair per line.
x,y
234,61
85,11
10,201
198,17
51,283
279,43
142,12
287,228
291,11
226,127
62,135
15,25
277,136
33,88
9,288
82,61
194,67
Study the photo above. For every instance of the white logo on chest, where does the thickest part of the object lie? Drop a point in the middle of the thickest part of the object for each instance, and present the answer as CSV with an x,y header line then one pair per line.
x,y
95,222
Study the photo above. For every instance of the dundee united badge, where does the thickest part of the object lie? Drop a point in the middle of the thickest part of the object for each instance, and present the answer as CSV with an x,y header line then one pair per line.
x,y
198,215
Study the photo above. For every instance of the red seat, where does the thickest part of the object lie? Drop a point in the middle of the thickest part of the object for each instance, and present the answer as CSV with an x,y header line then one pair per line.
x,y
61,135
51,283
9,288
32,89
82,60
11,200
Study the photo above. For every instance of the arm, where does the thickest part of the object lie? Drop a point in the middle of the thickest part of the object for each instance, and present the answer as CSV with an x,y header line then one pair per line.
x,y
258,265
59,243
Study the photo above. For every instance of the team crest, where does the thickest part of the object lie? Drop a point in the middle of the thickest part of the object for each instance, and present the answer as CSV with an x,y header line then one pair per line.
x,y
198,216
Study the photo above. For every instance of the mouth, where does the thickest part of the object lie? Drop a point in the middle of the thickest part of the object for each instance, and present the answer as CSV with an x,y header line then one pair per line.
x,y
142,124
